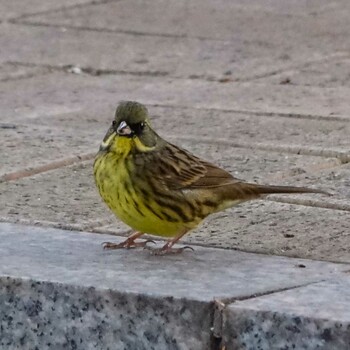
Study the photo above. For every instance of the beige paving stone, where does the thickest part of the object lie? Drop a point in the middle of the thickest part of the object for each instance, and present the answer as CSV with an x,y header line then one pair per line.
x,y
179,57
246,164
224,60
274,228
12,71
329,73
15,8
60,90
30,146
335,180
219,20
280,229
40,138
67,197
56,116
244,128
56,97
64,196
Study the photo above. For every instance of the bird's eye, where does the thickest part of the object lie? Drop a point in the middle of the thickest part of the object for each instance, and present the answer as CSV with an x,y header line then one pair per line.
x,y
138,128
114,123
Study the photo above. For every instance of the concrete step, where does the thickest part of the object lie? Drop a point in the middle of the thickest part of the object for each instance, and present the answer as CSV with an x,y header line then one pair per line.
x,y
59,289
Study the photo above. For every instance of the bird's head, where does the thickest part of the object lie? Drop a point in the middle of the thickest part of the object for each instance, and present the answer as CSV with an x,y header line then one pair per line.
x,y
130,130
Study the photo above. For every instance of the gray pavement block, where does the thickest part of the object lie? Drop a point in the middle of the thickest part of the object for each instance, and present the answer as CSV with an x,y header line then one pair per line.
x,y
76,91
244,56
179,57
70,133
62,197
279,228
250,31
328,73
18,8
240,128
312,317
204,19
335,180
56,281
12,71
273,228
31,146
68,195
70,103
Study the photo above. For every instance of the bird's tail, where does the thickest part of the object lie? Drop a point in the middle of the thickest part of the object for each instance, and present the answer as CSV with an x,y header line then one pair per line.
x,y
243,191
266,189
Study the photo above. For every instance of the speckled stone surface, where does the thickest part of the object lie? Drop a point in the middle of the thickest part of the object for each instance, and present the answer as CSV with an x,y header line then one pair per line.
x,y
45,315
316,316
59,289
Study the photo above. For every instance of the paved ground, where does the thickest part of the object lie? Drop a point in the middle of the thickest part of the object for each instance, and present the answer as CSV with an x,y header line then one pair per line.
x,y
260,88
60,290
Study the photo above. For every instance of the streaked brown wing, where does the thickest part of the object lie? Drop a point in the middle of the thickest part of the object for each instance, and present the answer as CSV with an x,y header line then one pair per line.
x,y
179,169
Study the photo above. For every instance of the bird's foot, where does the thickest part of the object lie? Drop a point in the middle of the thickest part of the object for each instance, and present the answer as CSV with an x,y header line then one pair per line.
x,y
167,250
127,244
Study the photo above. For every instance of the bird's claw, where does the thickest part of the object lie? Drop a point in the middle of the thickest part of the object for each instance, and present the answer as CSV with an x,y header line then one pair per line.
x,y
126,244
167,250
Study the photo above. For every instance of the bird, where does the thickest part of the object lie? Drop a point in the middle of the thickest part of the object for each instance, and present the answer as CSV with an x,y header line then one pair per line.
x,y
158,188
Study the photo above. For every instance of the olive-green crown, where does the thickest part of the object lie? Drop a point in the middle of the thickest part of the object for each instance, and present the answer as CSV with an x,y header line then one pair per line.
x,y
131,112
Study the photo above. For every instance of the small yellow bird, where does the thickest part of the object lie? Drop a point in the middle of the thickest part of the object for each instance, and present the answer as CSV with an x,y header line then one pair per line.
x,y
159,188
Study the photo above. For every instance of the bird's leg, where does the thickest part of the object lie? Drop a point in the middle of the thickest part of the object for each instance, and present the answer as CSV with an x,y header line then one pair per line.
x,y
128,243
168,246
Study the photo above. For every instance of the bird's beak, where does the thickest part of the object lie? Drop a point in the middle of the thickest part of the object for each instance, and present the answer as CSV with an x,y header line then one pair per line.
x,y
124,129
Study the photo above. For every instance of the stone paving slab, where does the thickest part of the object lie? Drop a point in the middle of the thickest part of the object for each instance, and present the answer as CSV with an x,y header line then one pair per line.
x,y
336,181
12,71
139,54
136,54
29,147
329,73
36,139
240,128
247,85
16,8
204,19
64,100
281,229
68,194
61,279
76,91
301,318
67,198
250,29
272,228
64,197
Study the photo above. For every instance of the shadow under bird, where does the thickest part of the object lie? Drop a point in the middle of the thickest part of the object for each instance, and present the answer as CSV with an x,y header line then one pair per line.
x,y
161,189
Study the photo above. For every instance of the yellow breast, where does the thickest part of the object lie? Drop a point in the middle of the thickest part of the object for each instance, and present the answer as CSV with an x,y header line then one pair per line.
x,y
126,199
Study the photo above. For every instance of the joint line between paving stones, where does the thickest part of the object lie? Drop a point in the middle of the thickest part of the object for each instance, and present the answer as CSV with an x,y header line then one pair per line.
x,y
221,304
296,66
312,203
299,150
232,300
25,76
95,72
336,118
62,226
49,11
46,167
106,30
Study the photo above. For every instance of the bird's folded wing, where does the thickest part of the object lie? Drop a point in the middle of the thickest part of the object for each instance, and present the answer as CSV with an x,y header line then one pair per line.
x,y
179,169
